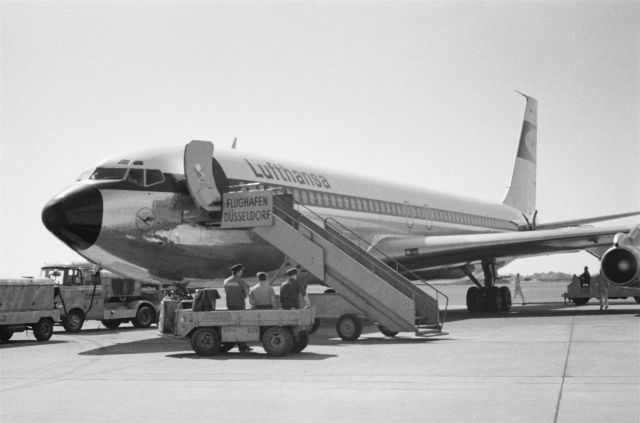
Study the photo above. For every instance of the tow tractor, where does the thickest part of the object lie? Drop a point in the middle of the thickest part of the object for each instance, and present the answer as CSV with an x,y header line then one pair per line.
x,y
217,331
86,292
27,303
581,295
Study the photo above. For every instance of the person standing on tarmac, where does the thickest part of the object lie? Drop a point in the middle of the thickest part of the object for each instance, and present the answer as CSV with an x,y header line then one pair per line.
x,y
518,290
603,292
291,292
237,291
262,295
585,278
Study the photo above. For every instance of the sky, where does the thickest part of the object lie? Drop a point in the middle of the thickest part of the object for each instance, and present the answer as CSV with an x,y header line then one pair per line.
x,y
414,92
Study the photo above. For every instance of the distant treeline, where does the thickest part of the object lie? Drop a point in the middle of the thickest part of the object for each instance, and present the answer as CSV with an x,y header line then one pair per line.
x,y
550,277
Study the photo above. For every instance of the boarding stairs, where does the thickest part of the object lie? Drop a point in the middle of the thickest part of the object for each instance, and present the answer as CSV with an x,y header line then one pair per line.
x,y
343,260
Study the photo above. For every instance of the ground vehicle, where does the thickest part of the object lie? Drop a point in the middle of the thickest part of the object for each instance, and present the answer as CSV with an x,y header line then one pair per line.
x,y
27,303
580,295
216,331
85,292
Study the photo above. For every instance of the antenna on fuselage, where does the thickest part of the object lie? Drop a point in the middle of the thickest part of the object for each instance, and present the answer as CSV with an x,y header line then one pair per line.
x,y
233,145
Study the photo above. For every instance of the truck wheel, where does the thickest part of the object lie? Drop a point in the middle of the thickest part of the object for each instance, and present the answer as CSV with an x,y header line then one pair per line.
x,y
349,327
387,332
144,317
301,342
226,347
73,321
205,341
277,341
111,324
580,301
43,330
5,334
316,326
637,299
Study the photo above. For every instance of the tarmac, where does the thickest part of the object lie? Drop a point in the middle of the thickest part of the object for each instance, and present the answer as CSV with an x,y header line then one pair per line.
x,y
541,362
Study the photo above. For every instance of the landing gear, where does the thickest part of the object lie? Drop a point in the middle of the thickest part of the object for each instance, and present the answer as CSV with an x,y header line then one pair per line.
x,y
487,298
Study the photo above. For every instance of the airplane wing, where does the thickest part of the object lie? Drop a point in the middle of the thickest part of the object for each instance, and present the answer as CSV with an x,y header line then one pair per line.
x,y
419,252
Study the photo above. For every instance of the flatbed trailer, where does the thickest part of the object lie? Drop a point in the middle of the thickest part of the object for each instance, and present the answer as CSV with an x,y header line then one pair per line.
x,y
581,295
27,304
217,331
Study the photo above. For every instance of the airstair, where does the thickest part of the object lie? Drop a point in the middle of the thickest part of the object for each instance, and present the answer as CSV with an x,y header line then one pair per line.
x,y
342,259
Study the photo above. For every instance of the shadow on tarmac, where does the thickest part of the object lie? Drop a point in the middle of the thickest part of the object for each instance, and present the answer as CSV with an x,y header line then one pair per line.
x,y
256,354
101,330
542,310
28,343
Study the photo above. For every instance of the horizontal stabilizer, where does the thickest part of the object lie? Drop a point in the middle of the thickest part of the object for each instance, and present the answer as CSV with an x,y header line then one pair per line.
x,y
585,221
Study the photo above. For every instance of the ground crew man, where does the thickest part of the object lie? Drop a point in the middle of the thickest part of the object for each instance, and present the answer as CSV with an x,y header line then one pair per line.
x,y
518,290
603,292
585,278
291,292
262,295
237,291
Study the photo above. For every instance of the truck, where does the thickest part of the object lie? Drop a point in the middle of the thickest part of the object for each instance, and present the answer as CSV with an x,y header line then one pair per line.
x,y
212,331
581,295
84,291
27,304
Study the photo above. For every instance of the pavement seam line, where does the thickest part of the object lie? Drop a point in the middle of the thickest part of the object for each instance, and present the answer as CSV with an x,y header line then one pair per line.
x,y
564,373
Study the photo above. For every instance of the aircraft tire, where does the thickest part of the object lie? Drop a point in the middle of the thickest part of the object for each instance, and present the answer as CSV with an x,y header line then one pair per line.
x,y
73,321
494,299
5,334
277,341
144,317
205,341
386,332
111,324
349,327
506,298
43,330
637,299
301,342
474,300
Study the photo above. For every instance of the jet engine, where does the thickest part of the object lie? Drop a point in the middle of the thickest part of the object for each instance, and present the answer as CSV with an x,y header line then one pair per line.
x,y
621,263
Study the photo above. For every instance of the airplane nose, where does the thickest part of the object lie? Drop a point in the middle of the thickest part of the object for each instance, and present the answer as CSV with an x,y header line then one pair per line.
x,y
75,216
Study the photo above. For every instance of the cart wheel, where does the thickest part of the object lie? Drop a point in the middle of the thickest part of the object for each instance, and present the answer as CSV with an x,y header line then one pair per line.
x,y
226,347
111,324
349,327
73,321
580,301
277,341
637,299
43,330
386,332
5,335
301,342
205,341
316,326
144,317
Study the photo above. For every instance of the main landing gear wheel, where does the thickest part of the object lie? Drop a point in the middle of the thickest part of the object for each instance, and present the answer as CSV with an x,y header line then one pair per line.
x,y
474,298
43,330
349,327
387,332
277,341
144,317
205,341
73,321
506,298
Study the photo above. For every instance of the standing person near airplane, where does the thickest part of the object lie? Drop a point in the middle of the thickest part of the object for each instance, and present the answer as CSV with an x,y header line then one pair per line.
x,y
585,278
603,292
291,292
518,290
237,290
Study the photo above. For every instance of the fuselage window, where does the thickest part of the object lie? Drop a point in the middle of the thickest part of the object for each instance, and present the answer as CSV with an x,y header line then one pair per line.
x,y
153,177
103,173
332,199
325,199
376,207
136,176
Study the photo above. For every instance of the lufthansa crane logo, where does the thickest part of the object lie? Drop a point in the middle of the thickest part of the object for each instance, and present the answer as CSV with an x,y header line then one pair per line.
x,y
144,218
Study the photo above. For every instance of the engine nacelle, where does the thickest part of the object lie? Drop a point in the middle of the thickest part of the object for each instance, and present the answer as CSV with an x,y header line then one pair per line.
x,y
621,265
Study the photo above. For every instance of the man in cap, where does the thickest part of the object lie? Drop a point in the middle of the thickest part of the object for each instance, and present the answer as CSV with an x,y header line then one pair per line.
x,y
262,295
585,278
291,291
237,291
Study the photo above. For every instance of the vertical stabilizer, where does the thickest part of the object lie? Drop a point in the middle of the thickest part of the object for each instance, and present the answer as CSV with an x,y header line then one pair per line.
x,y
522,190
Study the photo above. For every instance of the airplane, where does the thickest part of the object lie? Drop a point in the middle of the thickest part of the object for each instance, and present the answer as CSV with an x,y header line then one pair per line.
x,y
134,214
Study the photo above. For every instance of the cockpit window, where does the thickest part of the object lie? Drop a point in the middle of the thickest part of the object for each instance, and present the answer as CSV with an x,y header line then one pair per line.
x,y
136,176
154,177
102,173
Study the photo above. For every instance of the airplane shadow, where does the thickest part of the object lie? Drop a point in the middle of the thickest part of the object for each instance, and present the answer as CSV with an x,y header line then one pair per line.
x,y
540,310
28,343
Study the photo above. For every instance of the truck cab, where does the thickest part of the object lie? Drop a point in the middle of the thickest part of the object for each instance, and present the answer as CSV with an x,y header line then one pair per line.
x,y
86,292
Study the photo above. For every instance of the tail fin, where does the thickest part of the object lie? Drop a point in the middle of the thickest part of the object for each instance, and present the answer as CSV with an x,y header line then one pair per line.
x,y
522,190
